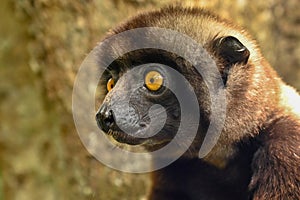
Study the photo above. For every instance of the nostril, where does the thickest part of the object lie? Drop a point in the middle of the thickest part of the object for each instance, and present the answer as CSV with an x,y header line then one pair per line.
x,y
109,119
105,119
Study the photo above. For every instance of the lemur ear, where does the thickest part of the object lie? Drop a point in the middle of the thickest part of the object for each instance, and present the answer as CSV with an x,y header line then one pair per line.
x,y
231,50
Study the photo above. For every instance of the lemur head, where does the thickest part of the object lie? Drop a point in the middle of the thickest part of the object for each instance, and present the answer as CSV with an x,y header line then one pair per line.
x,y
138,84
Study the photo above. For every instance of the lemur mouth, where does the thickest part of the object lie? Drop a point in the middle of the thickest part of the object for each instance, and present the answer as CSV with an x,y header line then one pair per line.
x,y
122,137
125,138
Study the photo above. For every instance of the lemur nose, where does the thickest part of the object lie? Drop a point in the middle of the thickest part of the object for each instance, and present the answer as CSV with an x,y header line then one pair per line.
x,y
105,118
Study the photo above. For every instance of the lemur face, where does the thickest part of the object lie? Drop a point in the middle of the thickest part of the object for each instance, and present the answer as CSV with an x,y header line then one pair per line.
x,y
140,106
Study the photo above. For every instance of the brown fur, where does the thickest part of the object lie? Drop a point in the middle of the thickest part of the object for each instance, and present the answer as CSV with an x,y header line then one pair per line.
x,y
258,153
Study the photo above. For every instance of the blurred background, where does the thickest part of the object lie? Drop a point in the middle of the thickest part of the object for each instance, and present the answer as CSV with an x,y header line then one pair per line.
x,y
42,44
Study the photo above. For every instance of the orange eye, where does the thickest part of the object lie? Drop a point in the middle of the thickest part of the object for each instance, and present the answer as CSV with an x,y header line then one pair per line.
x,y
110,84
154,80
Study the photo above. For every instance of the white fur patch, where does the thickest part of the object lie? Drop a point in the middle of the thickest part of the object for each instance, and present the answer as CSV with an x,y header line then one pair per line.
x,y
290,99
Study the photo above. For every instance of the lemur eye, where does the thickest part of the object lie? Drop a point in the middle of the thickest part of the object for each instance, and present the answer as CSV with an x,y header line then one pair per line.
x,y
110,84
154,80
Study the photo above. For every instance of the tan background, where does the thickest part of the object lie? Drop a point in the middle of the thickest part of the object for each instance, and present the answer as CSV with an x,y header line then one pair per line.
x,y
42,45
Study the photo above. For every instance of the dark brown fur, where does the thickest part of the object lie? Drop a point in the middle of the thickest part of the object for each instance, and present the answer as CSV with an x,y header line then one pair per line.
x,y
258,154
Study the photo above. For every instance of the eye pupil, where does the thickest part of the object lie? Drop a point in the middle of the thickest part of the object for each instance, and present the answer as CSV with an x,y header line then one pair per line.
x,y
151,80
